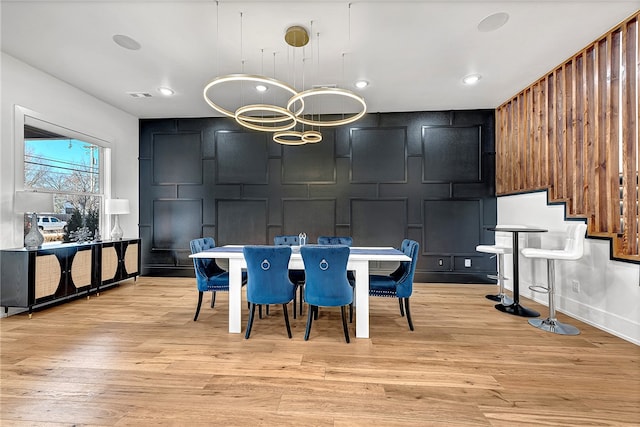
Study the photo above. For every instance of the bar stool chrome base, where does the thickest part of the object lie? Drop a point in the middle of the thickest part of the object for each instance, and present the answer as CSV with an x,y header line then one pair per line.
x,y
498,251
554,326
573,250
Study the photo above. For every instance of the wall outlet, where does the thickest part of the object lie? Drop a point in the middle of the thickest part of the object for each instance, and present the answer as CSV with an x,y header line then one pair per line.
x,y
575,286
467,262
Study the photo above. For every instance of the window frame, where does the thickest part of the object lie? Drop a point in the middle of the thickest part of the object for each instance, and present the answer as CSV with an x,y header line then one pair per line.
x,y
24,116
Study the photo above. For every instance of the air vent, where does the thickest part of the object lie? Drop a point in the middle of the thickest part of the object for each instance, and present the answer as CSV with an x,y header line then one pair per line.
x,y
139,94
329,85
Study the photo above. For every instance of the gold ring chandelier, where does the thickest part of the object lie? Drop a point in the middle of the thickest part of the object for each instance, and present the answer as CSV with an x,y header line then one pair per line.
x,y
282,120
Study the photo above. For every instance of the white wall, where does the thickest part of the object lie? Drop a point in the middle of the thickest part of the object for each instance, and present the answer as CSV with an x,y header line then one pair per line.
x,y
609,291
70,107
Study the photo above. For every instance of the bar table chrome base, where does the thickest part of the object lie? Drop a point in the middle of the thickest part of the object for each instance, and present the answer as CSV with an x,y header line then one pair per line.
x,y
517,310
554,326
505,300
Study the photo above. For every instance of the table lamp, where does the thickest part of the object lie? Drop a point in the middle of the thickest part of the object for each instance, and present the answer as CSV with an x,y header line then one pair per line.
x,y
31,202
116,207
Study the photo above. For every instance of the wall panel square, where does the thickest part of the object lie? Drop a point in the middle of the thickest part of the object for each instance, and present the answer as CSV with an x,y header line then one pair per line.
x,y
378,155
242,157
241,222
176,223
379,222
313,217
451,154
177,158
451,226
310,163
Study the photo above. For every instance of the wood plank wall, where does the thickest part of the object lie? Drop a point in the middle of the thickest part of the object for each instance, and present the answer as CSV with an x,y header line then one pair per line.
x,y
574,132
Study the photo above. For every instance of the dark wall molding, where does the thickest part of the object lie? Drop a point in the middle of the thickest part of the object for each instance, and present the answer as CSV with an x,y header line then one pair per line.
x,y
428,176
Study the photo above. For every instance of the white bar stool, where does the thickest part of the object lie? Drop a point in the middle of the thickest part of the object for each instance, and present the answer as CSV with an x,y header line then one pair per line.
x,y
573,250
501,248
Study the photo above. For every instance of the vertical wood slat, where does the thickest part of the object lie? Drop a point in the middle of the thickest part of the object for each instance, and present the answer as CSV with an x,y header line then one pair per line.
x,y
630,139
498,150
627,146
530,146
510,145
551,136
515,146
636,121
543,166
579,133
601,167
589,137
528,136
537,128
522,137
563,134
504,156
501,150
570,172
561,138
612,134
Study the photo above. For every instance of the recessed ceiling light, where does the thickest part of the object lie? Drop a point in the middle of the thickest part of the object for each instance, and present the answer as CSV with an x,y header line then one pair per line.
x,y
126,42
471,79
166,91
361,84
261,88
493,22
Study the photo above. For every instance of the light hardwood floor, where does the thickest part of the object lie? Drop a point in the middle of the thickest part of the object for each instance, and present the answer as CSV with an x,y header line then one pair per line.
x,y
134,356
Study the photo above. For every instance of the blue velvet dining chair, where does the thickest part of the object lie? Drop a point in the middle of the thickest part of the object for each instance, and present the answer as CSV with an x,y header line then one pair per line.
x,y
209,276
335,240
286,240
347,241
268,280
326,282
398,284
296,276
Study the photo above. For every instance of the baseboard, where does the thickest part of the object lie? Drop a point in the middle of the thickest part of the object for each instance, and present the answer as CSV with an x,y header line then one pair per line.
x,y
592,316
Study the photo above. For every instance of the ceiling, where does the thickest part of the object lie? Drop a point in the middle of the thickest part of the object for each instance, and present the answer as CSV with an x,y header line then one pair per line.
x,y
414,54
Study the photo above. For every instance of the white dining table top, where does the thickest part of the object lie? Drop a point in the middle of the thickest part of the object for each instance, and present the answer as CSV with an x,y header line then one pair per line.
x,y
369,253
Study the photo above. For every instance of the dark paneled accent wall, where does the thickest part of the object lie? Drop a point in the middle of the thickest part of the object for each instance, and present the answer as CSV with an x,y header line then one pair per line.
x,y
428,176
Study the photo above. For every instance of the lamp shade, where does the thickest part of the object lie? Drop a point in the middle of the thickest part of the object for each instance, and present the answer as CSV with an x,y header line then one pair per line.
x,y
31,201
116,206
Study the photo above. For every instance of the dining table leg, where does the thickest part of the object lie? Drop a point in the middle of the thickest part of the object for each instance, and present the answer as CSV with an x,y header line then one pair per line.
x,y
361,302
235,296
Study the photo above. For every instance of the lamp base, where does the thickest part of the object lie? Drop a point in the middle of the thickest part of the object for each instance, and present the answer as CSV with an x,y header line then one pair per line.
x,y
116,233
33,239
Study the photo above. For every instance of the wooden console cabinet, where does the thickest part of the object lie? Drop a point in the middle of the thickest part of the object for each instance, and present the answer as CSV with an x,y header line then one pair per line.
x,y
33,278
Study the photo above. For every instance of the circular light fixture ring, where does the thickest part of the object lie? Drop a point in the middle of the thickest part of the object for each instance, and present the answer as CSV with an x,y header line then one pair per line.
x,y
241,113
328,91
246,78
249,122
281,137
311,136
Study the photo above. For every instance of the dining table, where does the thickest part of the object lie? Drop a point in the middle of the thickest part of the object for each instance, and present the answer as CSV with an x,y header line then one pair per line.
x,y
359,259
515,308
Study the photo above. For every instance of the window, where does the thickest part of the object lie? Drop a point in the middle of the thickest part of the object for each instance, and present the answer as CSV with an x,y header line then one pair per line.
x,y
71,169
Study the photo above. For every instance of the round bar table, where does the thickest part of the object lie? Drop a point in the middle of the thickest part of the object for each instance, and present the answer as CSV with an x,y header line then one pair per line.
x,y
515,308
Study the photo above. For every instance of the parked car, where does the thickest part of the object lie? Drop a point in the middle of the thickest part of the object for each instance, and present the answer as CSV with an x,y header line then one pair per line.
x,y
50,223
